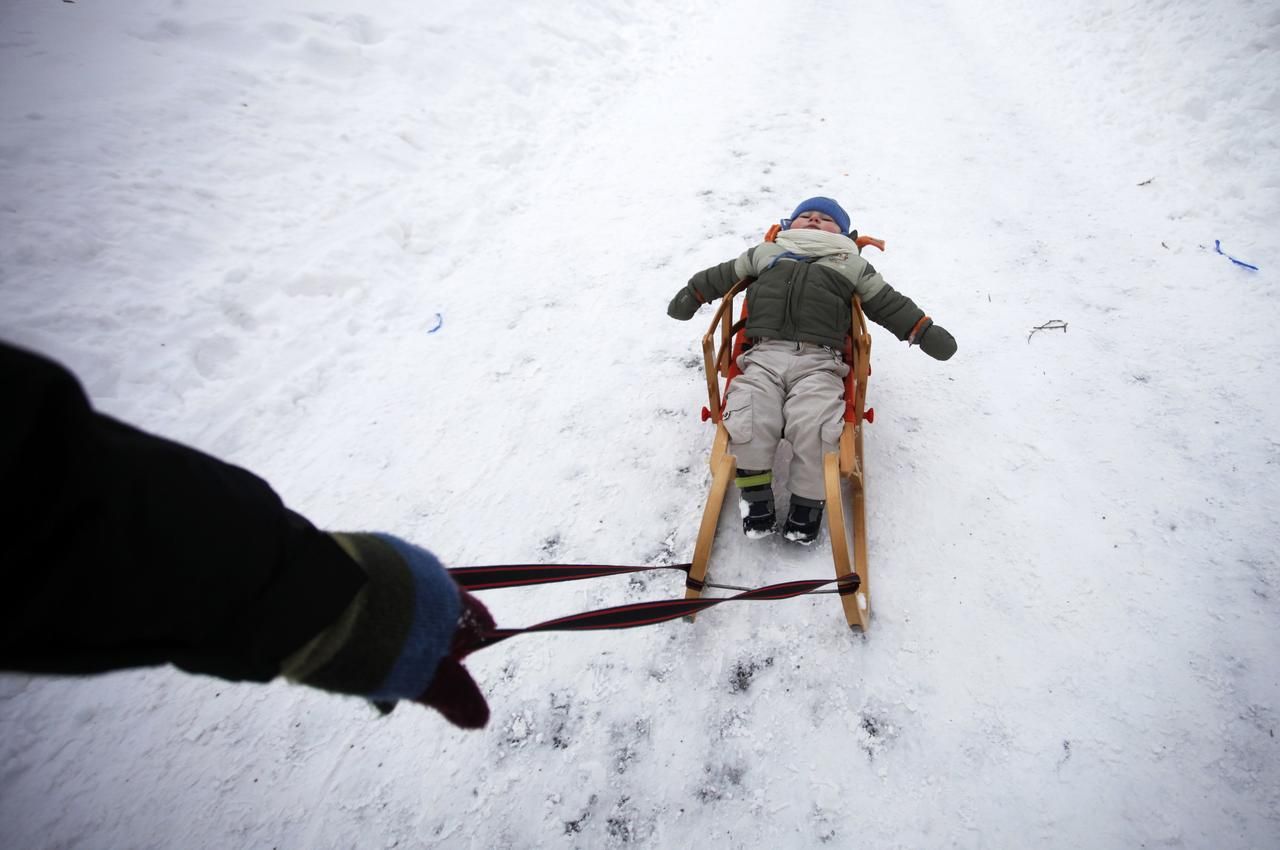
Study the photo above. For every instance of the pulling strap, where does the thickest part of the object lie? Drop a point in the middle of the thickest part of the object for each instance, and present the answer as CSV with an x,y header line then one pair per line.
x,y
520,575
620,616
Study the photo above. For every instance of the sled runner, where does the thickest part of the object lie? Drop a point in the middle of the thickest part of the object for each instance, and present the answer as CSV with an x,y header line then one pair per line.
x,y
723,343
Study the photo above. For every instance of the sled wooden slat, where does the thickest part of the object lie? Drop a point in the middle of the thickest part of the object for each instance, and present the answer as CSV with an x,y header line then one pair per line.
x,y
717,360
723,467
839,542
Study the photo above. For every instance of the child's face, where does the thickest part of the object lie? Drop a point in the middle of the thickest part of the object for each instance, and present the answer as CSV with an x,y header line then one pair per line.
x,y
814,220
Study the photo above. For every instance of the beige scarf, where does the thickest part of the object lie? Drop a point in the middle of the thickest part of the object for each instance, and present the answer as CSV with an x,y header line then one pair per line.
x,y
815,243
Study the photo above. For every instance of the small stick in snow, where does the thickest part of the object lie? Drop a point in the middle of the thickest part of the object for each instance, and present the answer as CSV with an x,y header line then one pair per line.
x,y
1147,182
1051,325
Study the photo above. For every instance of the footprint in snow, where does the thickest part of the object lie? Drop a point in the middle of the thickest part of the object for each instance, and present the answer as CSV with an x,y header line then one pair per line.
x,y
744,672
629,741
720,782
875,733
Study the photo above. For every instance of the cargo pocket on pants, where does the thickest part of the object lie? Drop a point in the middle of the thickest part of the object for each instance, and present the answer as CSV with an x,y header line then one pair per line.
x,y
737,415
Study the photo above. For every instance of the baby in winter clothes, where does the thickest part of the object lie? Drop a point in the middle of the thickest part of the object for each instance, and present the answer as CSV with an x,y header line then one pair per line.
x,y
792,382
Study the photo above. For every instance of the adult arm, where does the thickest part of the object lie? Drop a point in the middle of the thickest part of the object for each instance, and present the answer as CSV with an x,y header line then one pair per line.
x,y
122,549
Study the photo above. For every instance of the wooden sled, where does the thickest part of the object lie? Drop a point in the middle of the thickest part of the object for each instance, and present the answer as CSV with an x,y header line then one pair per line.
x,y
843,468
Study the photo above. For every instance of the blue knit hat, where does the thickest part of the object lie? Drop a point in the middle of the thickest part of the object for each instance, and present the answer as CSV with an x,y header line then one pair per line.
x,y
822,205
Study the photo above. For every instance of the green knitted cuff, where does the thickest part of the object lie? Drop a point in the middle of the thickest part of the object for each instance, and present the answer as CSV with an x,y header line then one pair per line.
x,y
355,655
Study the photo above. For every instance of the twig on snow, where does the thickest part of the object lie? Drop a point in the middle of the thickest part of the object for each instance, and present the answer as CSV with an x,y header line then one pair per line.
x,y
1051,325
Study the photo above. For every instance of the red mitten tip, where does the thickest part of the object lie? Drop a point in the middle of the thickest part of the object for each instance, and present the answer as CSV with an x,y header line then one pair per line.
x,y
456,695
474,622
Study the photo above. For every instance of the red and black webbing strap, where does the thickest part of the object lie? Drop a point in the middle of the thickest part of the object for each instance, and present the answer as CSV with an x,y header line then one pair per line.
x,y
618,617
635,614
520,575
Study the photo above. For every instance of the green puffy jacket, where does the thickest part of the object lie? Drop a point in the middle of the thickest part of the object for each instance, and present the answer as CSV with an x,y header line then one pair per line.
x,y
806,299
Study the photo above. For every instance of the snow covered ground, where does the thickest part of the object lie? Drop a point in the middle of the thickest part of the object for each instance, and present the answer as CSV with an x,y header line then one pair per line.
x,y
410,263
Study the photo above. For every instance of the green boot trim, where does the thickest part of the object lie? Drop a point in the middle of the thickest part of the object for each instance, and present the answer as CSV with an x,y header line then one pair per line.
x,y
754,479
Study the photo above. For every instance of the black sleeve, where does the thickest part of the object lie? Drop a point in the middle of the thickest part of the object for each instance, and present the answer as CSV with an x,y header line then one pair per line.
x,y
122,549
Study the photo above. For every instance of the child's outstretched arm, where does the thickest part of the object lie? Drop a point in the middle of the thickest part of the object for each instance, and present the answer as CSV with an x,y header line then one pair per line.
x,y
708,285
899,314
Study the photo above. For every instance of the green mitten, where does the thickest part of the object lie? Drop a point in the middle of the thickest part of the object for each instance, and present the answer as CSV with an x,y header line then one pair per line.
x,y
683,305
936,342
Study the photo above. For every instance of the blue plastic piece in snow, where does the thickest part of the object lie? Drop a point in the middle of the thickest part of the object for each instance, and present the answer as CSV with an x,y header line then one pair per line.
x,y
439,324
1217,246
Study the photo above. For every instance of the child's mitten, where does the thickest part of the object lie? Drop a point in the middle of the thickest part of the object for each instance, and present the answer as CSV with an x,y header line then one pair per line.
x,y
936,341
683,305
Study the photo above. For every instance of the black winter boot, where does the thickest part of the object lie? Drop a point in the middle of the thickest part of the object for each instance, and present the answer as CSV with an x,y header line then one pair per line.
x,y
804,520
756,489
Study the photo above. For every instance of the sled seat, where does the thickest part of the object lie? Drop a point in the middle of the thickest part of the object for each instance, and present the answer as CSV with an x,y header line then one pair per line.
x,y
722,345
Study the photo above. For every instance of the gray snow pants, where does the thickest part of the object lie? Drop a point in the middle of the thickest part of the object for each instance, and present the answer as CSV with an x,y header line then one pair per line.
x,y
792,390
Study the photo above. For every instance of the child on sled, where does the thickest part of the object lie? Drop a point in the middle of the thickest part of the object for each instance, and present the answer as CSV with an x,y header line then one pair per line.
x,y
799,308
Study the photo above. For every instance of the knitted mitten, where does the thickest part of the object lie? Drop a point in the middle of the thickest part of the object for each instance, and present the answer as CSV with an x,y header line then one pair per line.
x,y
403,635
